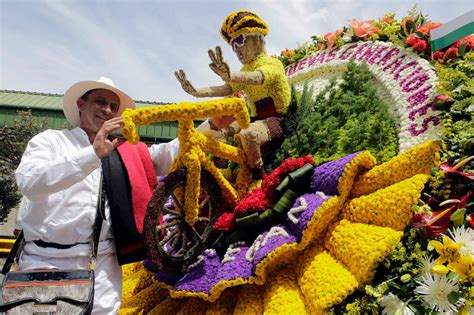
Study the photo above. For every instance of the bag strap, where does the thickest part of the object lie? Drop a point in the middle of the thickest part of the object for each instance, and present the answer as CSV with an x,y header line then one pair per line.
x,y
14,254
99,219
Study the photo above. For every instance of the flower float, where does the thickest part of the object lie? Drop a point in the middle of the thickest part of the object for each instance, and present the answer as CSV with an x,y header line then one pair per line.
x,y
364,238
349,244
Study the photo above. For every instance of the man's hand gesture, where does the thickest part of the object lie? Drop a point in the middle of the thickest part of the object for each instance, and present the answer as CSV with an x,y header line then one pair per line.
x,y
185,83
102,145
218,65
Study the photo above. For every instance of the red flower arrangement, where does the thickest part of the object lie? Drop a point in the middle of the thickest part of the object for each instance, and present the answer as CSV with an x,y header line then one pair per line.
x,y
469,40
263,197
420,46
438,55
451,53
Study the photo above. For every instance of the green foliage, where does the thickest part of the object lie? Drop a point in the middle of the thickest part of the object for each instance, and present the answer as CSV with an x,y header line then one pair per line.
x,y
456,81
13,141
343,119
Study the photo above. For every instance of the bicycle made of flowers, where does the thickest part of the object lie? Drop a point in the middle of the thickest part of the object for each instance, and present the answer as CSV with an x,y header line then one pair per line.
x,y
181,213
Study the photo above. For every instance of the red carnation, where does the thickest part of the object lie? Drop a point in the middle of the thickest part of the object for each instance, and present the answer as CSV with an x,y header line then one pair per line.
x,y
438,55
420,46
469,40
225,222
261,198
451,53
411,40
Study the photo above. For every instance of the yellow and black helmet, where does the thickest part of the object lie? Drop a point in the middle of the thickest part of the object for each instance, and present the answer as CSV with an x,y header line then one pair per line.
x,y
242,22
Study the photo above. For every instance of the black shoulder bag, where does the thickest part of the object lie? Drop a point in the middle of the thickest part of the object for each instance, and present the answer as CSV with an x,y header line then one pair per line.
x,y
57,291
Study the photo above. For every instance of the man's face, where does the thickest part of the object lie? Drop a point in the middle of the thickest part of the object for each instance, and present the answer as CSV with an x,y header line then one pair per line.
x,y
246,47
96,107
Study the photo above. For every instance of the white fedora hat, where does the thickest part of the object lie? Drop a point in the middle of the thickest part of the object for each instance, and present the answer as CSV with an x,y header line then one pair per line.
x,y
77,90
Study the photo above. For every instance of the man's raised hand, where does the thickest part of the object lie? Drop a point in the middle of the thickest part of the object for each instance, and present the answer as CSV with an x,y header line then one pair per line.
x,y
102,145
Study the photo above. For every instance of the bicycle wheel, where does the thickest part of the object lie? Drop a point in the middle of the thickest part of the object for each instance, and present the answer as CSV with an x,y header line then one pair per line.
x,y
172,244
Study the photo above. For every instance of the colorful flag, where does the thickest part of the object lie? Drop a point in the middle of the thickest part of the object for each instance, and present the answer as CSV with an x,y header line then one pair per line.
x,y
452,31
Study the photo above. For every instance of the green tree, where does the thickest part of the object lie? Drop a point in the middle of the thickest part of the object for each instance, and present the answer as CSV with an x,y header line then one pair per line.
x,y
344,118
13,141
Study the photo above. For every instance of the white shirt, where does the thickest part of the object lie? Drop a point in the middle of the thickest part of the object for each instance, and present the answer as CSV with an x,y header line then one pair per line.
x,y
60,173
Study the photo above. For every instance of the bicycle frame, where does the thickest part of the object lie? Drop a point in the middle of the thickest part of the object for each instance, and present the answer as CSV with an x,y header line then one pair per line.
x,y
194,145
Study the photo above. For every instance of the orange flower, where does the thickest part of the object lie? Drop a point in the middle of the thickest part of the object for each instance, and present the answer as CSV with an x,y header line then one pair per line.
x,y
412,40
288,52
331,37
404,22
387,19
363,28
425,29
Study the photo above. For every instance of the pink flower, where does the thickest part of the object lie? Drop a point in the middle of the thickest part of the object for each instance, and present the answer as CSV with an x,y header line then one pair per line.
x,y
363,28
331,37
442,99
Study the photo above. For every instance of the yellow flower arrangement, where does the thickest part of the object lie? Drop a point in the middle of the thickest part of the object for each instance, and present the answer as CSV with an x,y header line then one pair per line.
x,y
464,267
361,162
328,273
325,215
129,270
322,279
184,111
282,294
225,304
448,250
145,300
277,88
391,206
193,145
193,306
250,300
450,254
361,247
167,306
418,160
231,30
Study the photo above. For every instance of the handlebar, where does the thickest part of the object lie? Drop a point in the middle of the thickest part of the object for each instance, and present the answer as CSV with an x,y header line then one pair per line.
x,y
183,111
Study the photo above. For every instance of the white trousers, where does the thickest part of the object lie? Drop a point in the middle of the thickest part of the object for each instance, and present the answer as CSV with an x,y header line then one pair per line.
x,y
108,276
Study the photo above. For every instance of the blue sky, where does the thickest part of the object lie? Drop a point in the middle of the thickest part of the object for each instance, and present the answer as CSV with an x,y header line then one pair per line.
x,y
46,46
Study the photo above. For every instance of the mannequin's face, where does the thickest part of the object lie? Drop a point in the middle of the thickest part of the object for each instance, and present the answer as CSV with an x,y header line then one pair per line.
x,y
247,47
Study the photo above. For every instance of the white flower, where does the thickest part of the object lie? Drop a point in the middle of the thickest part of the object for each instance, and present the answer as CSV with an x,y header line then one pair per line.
x,y
465,236
425,265
434,291
393,305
